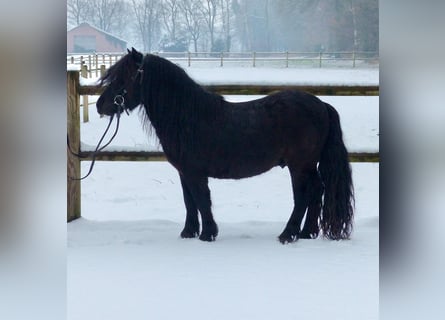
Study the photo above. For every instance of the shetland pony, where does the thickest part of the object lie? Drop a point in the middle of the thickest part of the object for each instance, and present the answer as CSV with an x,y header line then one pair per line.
x,y
204,136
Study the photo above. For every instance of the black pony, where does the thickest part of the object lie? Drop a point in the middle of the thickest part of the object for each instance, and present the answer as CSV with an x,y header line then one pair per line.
x,y
203,136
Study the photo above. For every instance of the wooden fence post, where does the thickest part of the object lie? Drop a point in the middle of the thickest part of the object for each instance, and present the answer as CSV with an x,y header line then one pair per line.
x,y
254,58
188,58
319,64
96,63
222,57
90,69
102,70
85,97
73,136
287,59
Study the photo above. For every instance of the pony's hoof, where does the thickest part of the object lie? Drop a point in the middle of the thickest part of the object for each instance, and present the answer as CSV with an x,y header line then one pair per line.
x,y
186,234
287,237
308,235
207,237
209,232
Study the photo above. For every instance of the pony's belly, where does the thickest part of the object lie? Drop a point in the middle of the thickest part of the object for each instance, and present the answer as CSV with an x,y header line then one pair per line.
x,y
242,170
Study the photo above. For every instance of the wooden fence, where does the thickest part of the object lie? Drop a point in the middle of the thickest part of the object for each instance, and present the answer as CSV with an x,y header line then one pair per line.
x,y
75,90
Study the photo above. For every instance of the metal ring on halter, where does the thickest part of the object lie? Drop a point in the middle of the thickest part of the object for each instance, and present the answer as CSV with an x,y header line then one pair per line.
x,y
117,98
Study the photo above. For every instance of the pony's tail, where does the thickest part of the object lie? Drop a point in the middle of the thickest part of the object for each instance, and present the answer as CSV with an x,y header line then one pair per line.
x,y
335,171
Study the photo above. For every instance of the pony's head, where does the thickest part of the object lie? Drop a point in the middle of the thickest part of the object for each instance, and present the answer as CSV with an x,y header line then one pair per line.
x,y
122,85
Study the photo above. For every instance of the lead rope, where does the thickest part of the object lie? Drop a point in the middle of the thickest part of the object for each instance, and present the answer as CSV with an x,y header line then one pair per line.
x,y
119,102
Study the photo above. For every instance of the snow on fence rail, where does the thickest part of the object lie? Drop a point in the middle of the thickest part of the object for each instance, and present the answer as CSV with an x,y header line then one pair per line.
x,y
253,59
75,90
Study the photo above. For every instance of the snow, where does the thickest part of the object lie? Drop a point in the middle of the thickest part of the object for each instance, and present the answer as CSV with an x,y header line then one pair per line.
x,y
277,76
286,76
127,261
88,81
73,67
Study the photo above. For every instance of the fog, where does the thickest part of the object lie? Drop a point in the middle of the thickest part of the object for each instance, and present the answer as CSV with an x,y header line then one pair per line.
x,y
234,25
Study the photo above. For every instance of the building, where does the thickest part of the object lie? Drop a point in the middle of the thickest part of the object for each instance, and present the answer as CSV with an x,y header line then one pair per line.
x,y
86,39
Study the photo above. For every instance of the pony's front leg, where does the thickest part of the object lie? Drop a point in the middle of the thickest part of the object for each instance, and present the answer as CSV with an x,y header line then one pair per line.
x,y
200,192
191,227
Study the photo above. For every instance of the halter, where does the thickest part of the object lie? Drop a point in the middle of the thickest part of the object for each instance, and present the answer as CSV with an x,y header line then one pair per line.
x,y
119,102
140,73
98,147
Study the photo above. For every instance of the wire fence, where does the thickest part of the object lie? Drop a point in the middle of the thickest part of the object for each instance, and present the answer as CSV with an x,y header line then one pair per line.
x,y
353,59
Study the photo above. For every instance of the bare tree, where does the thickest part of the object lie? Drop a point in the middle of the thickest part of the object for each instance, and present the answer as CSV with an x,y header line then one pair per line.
x,y
77,11
106,14
242,27
209,11
367,20
333,25
253,23
147,14
226,15
354,24
170,11
193,19
351,24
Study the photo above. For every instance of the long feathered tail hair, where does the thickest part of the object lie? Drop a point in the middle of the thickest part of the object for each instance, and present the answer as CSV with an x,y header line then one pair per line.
x,y
335,171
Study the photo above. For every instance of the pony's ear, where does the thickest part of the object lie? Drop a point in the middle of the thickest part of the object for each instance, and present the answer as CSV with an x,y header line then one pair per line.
x,y
137,56
128,50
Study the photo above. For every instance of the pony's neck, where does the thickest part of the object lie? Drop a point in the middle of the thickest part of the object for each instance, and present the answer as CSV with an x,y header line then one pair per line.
x,y
175,105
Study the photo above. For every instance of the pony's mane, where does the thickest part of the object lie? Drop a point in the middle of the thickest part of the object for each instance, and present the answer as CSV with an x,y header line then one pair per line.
x,y
166,76
168,91
175,104
116,71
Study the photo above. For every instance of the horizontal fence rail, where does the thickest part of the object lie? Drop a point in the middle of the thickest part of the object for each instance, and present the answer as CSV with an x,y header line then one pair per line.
x,y
75,90
240,59
246,89
159,156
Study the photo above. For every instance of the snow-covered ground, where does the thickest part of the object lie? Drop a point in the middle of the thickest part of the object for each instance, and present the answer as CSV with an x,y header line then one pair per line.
x,y
126,260
289,76
275,76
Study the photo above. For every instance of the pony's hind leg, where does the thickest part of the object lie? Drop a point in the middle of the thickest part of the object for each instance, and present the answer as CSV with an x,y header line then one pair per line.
x,y
314,193
300,186
191,228
200,193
